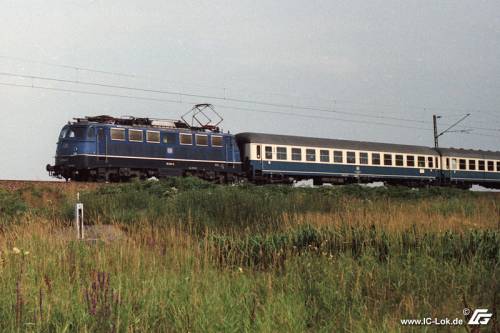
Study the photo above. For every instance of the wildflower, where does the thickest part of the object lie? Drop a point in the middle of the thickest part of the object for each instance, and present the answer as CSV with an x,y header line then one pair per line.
x,y
16,250
240,269
26,253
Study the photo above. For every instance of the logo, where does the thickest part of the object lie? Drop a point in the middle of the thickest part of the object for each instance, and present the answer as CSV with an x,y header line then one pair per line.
x,y
480,317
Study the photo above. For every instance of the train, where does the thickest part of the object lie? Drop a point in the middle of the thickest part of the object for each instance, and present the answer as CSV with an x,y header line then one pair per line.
x,y
112,149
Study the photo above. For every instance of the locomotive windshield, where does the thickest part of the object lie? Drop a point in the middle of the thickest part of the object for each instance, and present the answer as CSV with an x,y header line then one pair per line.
x,y
74,132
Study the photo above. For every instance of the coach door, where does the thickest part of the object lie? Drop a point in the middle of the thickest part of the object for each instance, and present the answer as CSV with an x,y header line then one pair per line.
x,y
102,144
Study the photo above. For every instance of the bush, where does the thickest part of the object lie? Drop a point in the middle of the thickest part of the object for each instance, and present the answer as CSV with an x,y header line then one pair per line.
x,y
11,204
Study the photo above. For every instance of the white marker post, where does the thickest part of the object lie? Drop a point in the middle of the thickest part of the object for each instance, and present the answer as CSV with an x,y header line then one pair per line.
x,y
79,218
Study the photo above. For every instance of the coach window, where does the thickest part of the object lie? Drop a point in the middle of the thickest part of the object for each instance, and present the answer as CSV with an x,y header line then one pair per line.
x,y
421,162
351,157
216,141
498,166
453,164
311,155
491,166
258,152
387,159
400,160
447,163
135,135
461,164
472,164
281,153
153,136
296,154
410,160
185,139
376,159
363,158
118,134
168,137
480,165
324,156
338,156
430,162
269,152
201,140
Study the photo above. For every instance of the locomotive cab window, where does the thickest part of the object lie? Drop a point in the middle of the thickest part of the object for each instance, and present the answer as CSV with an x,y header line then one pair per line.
x,y
400,160
64,131
351,157
135,135
281,153
77,132
118,134
185,139
296,154
338,156
363,158
387,159
216,141
324,156
410,160
376,159
311,155
269,152
472,164
153,136
421,162
258,152
461,164
430,162
201,140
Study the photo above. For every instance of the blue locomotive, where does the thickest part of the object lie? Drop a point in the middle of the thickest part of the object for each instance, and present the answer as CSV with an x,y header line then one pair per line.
x,y
105,148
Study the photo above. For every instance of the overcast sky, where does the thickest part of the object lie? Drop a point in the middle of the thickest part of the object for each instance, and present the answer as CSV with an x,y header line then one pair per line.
x,y
393,59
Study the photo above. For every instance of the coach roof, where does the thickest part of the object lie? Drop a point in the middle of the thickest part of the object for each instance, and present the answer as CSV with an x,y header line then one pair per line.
x,y
303,141
470,153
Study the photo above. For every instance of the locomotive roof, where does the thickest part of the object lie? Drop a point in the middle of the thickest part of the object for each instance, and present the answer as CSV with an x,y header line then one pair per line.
x,y
332,143
144,122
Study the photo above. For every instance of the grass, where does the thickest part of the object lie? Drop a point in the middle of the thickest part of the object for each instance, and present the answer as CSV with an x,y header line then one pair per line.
x,y
203,258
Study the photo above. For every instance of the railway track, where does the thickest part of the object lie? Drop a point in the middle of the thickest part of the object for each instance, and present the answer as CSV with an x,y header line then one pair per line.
x,y
13,185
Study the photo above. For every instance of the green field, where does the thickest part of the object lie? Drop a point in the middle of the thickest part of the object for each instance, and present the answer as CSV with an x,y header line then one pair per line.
x,y
189,256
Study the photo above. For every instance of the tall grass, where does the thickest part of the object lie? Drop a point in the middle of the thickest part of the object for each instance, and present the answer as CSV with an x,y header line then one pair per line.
x,y
203,258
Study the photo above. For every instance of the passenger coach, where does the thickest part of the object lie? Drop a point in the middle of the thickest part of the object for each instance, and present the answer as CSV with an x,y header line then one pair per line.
x,y
467,167
269,157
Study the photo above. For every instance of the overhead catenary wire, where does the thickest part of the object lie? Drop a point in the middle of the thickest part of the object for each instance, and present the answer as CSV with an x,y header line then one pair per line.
x,y
237,100
179,101
329,100
179,93
191,102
